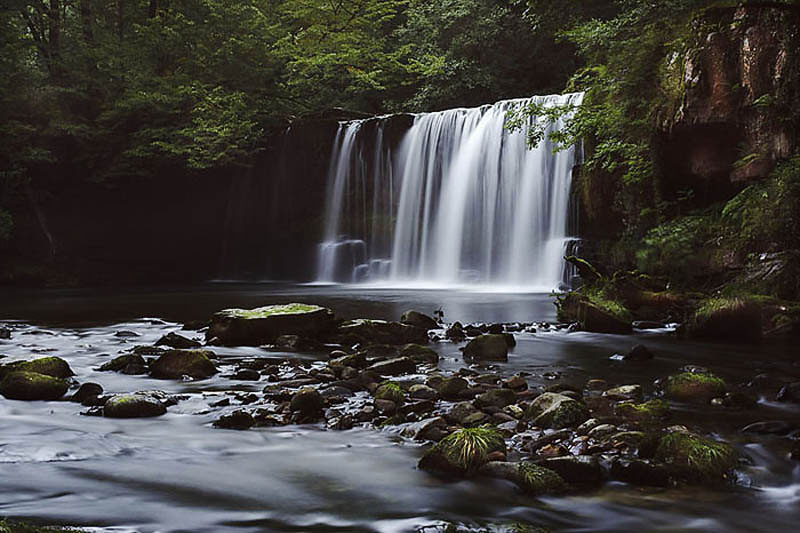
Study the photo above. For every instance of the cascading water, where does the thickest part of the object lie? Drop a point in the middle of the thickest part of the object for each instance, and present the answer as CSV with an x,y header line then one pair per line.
x,y
461,200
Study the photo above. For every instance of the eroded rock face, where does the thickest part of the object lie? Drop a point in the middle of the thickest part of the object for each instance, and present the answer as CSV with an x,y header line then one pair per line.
x,y
729,80
254,327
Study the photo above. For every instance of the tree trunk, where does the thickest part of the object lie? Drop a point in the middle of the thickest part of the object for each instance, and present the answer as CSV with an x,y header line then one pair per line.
x,y
86,20
121,18
153,10
54,31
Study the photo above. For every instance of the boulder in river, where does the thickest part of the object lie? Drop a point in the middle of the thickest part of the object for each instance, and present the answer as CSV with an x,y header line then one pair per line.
x,y
696,459
86,392
650,411
5,333
394,367
390,391
136,405
175,364
24,385
697,387
254,327
419,320
308,402
492,347
131,363
173,340
556,411
420,354
238,419
381,332
464,451
532,479
49,366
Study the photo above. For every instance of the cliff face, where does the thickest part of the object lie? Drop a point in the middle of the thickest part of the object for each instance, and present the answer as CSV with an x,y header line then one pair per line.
x,y
734,120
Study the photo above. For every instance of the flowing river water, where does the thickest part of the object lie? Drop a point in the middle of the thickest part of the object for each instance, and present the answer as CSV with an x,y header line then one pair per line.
x,y
176,473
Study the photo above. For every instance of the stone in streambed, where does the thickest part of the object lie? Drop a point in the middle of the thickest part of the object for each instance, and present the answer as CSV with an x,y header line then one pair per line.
x,y
639,353
696,459
419,320
394,367
556,411
391,392
86,391
532,479
22,385
239,420
48,366
175,364
130,364
487,348
308,402
420,354
694,387
496,398
624,392
136,405
464,451
575,469
254,327
173,340
382,332
5,333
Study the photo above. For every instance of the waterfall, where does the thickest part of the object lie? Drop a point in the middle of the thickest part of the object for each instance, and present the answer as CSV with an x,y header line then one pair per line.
x,y
459,200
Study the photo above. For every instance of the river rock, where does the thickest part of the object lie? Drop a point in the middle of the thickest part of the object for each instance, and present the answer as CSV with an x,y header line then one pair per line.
x,y
575,469
175,364
641,473
254,327
48,366
694,387
624,392
382,332
789,393
5,333
419,320
451,388
86,391
649,411
556,411
394,367
420,354
434,428
238,419
24,385
726,319
487,348
463,452
496,398
532,479
423,392
696,459
639,353
455,332
130,364
136,405
308,402
391,392
173,340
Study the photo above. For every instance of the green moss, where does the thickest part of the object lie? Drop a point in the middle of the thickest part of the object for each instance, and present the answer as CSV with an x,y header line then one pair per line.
x,y
49,366
696,458
272,310
390,391
20,385
689,386
468,449
539,480
649,411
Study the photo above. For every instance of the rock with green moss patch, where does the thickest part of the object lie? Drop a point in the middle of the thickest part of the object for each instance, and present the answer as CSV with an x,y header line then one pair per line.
x,y
532,479
49,366
726,319
175,364
390,391
694,387
594,312
492,347
22,385
136,405
450,388
496,398
254,327
131,364
553,410
696,459
649,411
624,392
464,451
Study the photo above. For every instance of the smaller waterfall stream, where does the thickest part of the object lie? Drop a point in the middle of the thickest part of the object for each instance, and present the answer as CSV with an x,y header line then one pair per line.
x,y
460,200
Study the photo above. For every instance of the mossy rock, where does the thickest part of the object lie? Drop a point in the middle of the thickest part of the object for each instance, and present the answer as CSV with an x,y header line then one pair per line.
x,y
22,385
392,392
49,366
694,387
419,320
131,363
696,459
308,402
594,312
556,411
532,479
262,325
726,319
136,405
420,354
356,360
487,348
464,451
451,388
177,363
649,411
496,398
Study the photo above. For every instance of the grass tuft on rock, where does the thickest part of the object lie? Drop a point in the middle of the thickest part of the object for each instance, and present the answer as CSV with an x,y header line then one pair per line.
x,y
469,448
696,458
